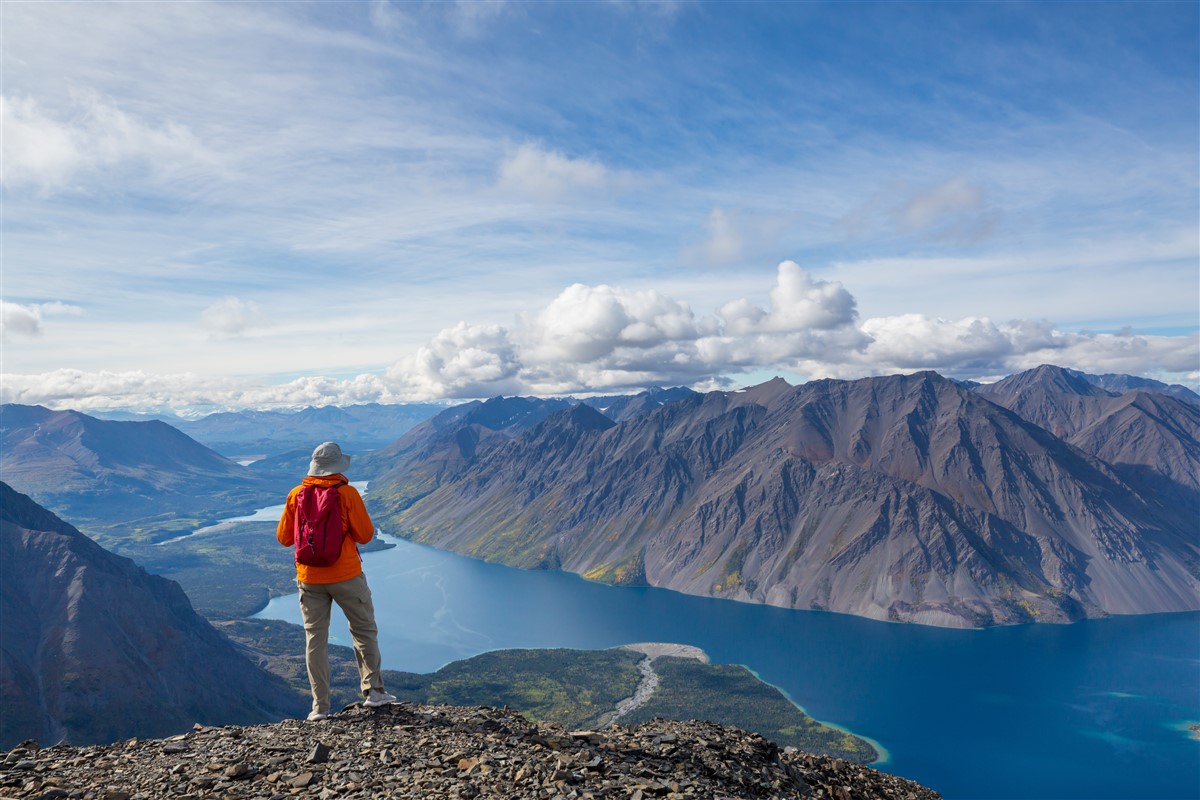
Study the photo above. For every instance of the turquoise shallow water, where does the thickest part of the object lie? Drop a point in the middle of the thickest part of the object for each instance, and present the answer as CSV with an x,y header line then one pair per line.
x,y
1092,710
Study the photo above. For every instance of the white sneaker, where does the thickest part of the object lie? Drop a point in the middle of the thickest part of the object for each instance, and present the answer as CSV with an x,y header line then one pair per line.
x,y
378,697
313,716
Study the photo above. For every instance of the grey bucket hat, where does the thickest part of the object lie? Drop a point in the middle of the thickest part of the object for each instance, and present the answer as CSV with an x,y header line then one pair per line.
x,y
328,459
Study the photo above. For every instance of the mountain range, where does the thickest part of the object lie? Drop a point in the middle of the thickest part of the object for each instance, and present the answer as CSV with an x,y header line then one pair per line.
x,y
138,479
255,433
907,498
440,448
95,649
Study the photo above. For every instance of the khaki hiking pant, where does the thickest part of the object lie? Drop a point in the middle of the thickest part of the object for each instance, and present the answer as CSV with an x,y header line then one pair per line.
x,y
354,599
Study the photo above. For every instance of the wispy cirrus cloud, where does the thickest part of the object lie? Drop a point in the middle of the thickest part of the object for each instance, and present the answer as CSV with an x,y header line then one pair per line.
x,y
160,156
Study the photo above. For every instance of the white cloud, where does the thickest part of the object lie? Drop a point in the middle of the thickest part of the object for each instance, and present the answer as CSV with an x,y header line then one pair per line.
x,y
914,341
26,320
231,316
69,388
611,338
585,323
47,151
799,302
549,174
976,346
595,338
463,361
724,245
19,319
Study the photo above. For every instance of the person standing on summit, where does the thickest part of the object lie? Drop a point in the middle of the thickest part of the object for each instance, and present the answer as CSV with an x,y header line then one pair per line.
x,y
325,520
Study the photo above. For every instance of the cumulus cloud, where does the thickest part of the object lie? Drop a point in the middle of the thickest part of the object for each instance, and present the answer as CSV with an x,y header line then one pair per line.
x,y
19,319
611,338
231,316
585,323
26,320
48,151
602,338
550,175
463,361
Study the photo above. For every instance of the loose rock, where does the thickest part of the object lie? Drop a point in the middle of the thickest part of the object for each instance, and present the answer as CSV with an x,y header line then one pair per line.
x,y
412,752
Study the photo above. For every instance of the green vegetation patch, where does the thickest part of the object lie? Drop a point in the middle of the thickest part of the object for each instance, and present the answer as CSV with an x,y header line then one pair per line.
x,y
629,572
575,688
732,695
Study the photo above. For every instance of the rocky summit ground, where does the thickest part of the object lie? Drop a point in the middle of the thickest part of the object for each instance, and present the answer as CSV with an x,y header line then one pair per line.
x,y
416,751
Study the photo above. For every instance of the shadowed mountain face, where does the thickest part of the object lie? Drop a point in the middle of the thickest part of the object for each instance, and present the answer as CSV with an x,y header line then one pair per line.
x,y
905,498
440,448
1151,438
95,649
103,474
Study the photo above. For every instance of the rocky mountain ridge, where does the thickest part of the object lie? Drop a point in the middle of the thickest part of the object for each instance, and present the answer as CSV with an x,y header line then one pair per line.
x,y
1149,437
441,448
414,751
908,498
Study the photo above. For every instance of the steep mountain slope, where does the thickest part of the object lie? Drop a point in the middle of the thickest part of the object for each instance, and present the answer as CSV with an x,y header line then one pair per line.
x,y
904,497
1151,438
102,473
95,649
442,447
1059,400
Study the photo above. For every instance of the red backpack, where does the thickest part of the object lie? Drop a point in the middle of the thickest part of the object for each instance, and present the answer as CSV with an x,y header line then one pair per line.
x,y
319,532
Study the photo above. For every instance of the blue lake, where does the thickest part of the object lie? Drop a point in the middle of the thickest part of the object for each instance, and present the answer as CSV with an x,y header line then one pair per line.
x,y
1091,710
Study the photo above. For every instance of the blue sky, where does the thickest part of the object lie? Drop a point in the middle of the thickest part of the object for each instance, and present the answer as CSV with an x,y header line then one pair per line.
x,y
254,204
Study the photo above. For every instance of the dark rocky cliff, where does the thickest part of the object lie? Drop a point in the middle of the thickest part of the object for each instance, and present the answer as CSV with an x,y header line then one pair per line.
x,y
95,649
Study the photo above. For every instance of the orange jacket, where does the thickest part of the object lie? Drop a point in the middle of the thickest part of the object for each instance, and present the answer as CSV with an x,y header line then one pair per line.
x,y
355,522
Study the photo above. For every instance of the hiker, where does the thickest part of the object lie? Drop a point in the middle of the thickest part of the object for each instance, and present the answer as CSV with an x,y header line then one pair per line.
x,y
336,575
